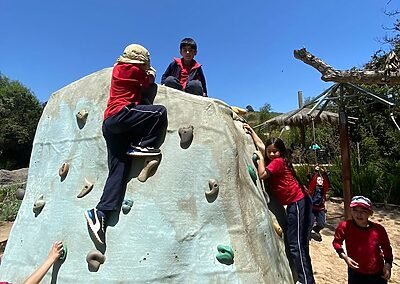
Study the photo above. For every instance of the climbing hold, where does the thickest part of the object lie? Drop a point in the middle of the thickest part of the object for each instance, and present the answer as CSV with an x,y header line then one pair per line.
x,y
82,115
150,163
63,171
225,255
255,159
278,229
127,206
186,135
252,173
81,118
38,205
20,193
212,194
94,259
63,253
86,188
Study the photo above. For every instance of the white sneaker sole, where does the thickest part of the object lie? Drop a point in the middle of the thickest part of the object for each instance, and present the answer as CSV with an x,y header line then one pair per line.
x,y
143,154
93,226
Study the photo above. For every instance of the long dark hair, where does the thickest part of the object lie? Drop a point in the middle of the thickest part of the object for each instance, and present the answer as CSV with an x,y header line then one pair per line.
x,y
284,152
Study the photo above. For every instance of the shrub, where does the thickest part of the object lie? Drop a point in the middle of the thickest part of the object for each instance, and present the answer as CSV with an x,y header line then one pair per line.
x,y
9,204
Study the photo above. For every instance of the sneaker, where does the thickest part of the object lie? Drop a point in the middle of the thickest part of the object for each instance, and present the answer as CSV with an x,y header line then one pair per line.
x,y
96,224
143,151
316,236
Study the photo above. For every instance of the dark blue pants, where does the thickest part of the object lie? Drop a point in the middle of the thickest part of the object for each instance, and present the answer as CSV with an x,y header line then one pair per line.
x,y
300,219
320,219
141,125
192,87
280,214
359,278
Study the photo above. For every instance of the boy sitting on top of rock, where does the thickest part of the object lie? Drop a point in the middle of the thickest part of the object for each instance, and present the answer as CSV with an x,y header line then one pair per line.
x,y
185,74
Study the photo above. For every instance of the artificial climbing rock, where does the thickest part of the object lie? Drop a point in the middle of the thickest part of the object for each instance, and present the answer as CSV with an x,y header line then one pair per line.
x,y
170,218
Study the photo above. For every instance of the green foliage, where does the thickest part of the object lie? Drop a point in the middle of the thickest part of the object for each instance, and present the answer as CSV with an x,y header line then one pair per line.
x,y
9,204
19,112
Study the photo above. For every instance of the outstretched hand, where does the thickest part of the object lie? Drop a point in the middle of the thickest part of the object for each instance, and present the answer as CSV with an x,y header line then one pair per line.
x,y
247,128
56,250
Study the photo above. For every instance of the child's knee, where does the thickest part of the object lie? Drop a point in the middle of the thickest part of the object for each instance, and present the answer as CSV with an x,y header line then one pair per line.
x,y
172,82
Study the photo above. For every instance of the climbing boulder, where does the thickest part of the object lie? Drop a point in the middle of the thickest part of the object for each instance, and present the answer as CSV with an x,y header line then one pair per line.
x,y
196,215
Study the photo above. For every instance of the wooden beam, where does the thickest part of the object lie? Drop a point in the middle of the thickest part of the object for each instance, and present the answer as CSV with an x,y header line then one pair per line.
x,y
329,74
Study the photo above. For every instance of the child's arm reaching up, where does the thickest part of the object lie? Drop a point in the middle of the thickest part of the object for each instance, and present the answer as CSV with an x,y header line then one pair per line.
x,y
54,254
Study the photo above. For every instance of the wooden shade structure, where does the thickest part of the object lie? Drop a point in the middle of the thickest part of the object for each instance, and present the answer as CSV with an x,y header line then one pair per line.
x,y
339,93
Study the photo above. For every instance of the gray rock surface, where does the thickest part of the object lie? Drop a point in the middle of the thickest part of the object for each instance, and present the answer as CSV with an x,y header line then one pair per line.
x,y
13,177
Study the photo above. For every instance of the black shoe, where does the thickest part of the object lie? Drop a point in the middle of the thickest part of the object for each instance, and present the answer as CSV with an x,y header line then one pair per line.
x,y
96,224
143,151
316,236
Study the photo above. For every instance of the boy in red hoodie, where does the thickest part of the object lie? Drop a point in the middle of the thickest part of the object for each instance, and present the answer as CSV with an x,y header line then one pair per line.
x,y
132,126
185,74
368,252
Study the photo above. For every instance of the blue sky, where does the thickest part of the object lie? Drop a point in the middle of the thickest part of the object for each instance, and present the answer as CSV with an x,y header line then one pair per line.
x,y
245,47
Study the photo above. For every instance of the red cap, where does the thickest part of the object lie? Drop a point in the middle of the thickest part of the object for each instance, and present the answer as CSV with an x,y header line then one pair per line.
x,y
361,201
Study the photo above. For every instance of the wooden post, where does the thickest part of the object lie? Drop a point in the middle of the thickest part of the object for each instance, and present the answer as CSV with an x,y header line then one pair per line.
x,y
302,129
300,98
345,156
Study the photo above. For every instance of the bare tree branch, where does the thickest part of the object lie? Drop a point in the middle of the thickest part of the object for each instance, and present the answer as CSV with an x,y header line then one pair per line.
x,y
329,74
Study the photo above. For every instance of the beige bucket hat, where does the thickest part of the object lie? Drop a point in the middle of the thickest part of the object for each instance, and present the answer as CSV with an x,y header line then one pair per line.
x,y
135,53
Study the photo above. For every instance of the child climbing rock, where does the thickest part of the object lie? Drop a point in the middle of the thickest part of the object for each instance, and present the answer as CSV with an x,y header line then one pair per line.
x,y
274,166
130,128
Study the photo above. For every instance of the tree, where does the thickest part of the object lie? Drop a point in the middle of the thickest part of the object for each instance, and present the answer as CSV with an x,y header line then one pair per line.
x,y
20,111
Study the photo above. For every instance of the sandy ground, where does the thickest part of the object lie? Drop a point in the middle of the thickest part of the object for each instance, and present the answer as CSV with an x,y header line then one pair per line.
x,y
328,267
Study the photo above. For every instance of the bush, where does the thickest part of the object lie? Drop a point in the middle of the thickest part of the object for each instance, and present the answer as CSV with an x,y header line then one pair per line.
x,y
9,204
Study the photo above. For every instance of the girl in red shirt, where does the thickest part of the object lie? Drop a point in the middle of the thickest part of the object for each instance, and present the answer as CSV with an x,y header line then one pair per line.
x,y
274,166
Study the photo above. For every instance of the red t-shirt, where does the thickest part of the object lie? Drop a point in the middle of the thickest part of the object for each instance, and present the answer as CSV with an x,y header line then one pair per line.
x,y
282,182
126,83
185,70
369,246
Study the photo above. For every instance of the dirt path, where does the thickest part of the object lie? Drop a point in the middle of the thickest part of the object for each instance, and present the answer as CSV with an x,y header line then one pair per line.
x,y
5,228
328,267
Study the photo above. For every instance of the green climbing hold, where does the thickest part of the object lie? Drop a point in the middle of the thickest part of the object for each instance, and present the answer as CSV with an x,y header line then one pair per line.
x,y
255,159
225,255
64,253
252,173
